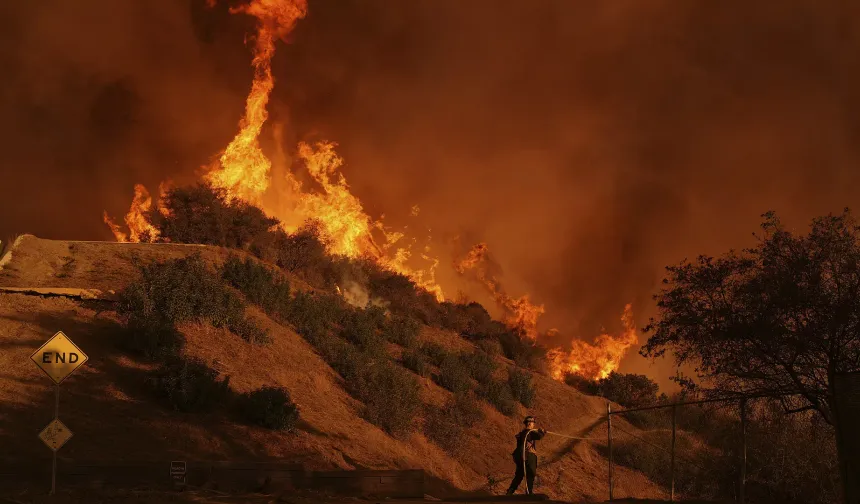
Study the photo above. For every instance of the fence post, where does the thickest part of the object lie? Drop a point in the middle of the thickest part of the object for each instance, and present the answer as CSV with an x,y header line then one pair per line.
x,y
743,481
609,435
672,469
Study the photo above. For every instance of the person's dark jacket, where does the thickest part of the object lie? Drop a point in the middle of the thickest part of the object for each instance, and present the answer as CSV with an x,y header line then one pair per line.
x,y
529,442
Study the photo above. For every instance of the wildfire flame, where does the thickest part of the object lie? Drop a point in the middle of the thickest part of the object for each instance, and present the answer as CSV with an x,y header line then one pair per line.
x,y
598,360
592,361
519,313
244,171
140,229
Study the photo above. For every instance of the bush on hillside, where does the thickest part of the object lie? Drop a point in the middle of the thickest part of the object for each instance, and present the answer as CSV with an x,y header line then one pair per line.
x,y
153,339
472,321
188,384
498,394
522,389
582,384
466,409
415,362
447,426
204,214
251,331
176,291
628,389
402,331
454,375
269,407
359,327
491,347
391,396
443,429
481,366
315,314
304,253
435,352
404,297
259,284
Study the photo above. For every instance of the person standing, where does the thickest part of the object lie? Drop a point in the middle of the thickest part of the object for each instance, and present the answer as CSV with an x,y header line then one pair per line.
x,y
525,456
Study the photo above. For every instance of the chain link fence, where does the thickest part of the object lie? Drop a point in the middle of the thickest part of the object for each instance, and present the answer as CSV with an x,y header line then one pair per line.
x,y
742,450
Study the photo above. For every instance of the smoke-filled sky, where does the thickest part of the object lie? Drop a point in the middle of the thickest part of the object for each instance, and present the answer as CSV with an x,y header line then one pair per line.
x,y
588,143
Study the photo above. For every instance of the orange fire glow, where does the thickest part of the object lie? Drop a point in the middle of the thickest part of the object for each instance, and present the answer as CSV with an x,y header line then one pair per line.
x,y
595,361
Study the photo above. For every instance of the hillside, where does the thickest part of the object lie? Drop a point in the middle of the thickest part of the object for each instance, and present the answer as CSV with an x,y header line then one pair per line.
x,y
110,410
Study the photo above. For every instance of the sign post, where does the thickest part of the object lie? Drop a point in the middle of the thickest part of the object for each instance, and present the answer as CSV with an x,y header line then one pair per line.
x,y
178,471
58,358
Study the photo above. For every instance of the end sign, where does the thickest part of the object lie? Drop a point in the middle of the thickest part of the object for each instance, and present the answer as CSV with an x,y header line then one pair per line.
x,y
59,357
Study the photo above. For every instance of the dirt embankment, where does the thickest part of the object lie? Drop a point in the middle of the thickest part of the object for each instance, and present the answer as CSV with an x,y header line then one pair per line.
x,y
107,405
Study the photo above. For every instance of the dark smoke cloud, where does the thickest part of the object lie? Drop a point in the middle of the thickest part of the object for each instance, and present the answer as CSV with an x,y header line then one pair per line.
x,y
588,143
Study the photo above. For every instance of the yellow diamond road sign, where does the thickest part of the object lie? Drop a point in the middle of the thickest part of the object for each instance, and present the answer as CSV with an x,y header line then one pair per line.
x,y
59,357
55,435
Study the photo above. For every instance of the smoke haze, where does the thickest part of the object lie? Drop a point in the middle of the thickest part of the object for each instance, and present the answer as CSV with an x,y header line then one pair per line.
x,y
589,144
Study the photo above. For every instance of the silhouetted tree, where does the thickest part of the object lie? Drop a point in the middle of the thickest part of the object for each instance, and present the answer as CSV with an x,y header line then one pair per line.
x,y
780,318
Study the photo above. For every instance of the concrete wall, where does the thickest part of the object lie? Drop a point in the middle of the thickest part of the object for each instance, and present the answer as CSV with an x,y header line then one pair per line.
x,y
221,475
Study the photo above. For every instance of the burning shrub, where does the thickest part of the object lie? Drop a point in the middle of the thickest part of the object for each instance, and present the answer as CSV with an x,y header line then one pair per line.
x,y
480,365
402,331
435,352
520,383
415,362
188,384
269,407
258,283
454,375
498,394
202,214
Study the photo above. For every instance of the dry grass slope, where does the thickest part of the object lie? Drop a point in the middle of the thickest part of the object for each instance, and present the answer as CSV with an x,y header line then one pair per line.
x,y
113,416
